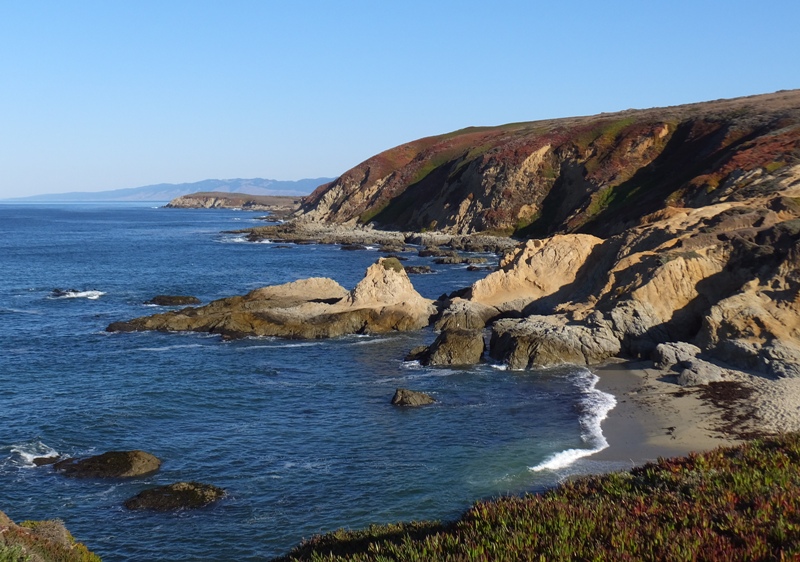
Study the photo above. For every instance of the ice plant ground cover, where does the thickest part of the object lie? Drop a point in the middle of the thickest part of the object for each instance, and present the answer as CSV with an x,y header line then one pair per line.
x,y
737,503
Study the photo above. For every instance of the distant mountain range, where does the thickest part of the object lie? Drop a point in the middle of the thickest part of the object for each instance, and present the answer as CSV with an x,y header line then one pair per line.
x,y
169,191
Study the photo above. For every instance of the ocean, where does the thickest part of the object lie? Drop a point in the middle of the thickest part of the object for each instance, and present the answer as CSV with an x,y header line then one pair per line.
x,y
300,434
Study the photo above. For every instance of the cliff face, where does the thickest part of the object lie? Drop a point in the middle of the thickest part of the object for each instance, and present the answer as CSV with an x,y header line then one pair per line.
x,y
598,175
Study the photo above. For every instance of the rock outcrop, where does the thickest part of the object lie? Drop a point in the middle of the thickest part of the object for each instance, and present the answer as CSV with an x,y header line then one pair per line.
x,y
113,464
385,300
454,347
405,397
280,204
181,495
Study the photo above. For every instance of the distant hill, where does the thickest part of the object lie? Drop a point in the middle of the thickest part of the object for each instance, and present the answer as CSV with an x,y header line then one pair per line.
x,y
170,191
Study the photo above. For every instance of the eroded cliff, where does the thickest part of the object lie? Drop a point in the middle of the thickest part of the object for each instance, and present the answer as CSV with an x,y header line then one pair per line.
x,y
597,175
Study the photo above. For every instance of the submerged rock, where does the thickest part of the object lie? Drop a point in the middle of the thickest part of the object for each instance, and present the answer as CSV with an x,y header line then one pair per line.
x,y
181,495
113,464
405,397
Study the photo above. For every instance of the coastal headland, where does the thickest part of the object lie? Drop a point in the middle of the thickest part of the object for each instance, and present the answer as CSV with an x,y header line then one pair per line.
x,y
659,247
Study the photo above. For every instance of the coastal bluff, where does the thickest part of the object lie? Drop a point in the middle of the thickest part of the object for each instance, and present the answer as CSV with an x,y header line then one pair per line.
x,y
632,229
224,200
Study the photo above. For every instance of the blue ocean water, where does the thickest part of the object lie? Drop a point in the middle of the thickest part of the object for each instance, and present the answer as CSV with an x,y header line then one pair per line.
x,y
301,434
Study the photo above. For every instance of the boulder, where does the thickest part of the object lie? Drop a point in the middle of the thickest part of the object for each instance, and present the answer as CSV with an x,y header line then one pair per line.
x,y
405,397
455,347
173,300
697,372
113,464
667,355
181,495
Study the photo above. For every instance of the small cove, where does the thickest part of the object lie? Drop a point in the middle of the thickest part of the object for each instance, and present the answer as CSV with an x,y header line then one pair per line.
x,y
300,434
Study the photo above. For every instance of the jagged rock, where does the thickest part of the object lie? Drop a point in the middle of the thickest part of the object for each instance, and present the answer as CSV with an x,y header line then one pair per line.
x,y
405,397
465,315
181,495
534,270
113,464
173,300
455,347
385,300
540,341
667,355
697,372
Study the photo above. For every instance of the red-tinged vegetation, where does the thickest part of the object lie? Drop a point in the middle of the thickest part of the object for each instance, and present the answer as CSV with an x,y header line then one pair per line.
x,y
730,504
595,174
42,541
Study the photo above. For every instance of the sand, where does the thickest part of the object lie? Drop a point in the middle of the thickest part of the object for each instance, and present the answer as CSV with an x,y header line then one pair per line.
x,y
655,417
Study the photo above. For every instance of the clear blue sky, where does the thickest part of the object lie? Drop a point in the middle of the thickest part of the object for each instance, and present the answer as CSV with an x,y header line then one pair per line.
x,y
99,95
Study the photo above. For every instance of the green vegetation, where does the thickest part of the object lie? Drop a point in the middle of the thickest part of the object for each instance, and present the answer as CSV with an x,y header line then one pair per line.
x,y
739,503
12,554
43,541
392,264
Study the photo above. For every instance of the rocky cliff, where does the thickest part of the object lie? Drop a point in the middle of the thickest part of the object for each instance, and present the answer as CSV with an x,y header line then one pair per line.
x,y
597,175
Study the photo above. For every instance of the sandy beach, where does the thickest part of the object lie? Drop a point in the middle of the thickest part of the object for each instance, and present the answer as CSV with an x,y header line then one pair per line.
x,y
655,417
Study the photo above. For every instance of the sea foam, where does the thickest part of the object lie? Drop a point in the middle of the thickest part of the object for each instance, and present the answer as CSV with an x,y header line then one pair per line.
x,y
24,453
73,294
596,404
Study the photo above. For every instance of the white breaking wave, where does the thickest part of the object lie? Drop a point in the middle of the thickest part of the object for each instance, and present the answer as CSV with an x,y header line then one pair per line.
x,y
597,405
370,341
233,240
73,294
24,453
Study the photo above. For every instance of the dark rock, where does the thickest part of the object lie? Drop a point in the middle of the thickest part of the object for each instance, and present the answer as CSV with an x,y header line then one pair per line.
x,y
418,269
405,397
455,347
44,461
352,247
173,300
113,464
181,495
416,353
479,268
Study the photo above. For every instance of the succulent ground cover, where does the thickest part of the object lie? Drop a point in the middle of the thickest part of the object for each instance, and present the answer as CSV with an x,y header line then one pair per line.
x,y
738,503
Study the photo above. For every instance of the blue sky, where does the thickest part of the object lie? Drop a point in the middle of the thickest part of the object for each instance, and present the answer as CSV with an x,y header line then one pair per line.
x,y
99,95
